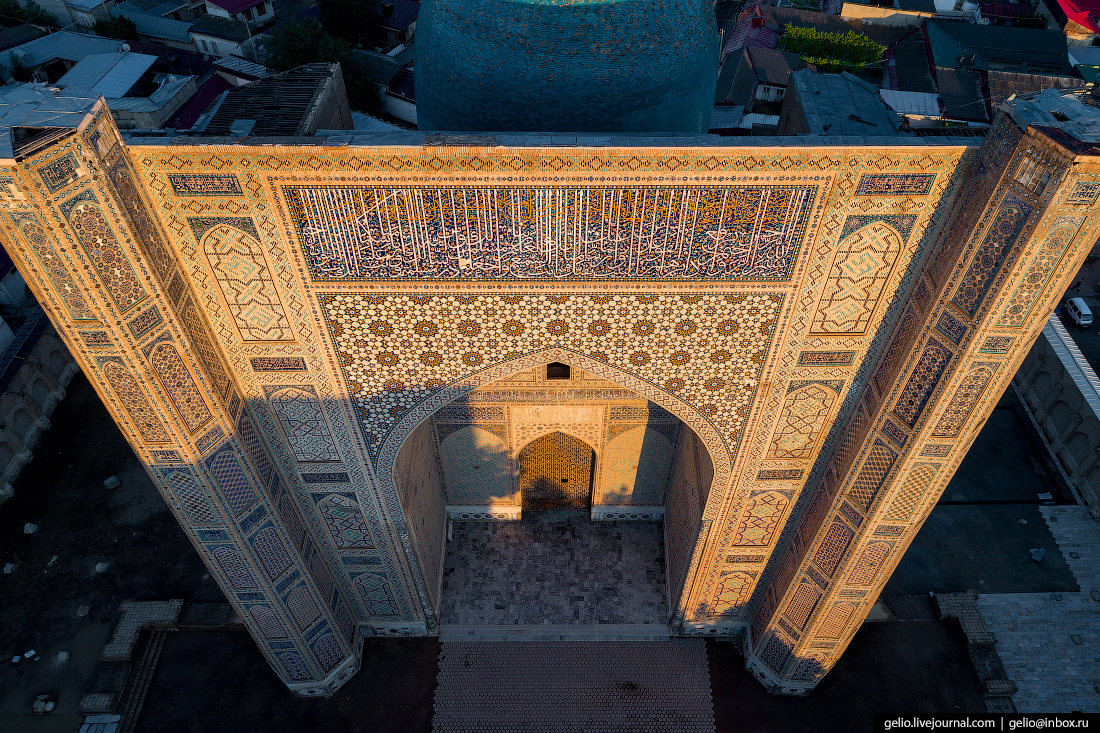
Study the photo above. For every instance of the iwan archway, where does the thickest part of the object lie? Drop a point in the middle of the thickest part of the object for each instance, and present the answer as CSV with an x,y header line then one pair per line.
x,y
553,495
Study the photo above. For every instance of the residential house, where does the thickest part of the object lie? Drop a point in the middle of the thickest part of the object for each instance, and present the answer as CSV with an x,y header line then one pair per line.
x,y
249,11
50,57
220,36
86,12
137,95
396,21
156,29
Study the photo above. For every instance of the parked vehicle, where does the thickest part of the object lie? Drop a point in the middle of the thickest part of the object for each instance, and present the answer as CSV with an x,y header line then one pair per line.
x,y
1079,311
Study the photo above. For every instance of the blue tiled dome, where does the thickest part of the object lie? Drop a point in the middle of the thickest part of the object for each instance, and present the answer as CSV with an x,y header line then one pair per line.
x,y
510,65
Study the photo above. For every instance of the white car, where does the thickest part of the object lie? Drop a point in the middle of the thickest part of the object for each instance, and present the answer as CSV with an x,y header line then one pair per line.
x,y
1079,311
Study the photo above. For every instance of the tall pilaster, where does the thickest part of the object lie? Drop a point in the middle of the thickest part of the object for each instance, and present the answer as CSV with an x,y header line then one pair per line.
x,y
82,234
996,273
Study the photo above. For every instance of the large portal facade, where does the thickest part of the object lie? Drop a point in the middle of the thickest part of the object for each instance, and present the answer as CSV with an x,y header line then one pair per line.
x,y
287,335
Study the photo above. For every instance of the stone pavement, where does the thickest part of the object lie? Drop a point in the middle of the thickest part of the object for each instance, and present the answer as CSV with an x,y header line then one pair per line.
x,y
1049,643
556,568
569,687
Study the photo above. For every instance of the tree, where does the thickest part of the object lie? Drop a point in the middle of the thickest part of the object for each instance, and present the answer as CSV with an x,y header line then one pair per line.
x,y
9,11
351,20
38,15
19,70
831,51
116,26
301,42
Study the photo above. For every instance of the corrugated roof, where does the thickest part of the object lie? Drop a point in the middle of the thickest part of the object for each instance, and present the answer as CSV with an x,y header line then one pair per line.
x,y
213,25
62,45
33,105
10,37
726,117
235,6
87,5
243,67
154,26
109,74
174,60
279,103
843,104
403,15
1027,47
162,96
1075,117
187,115
911,103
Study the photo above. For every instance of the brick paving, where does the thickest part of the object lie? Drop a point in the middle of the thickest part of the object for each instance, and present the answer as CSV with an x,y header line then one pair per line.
x,y
1049,643
135,615
567,687
554,568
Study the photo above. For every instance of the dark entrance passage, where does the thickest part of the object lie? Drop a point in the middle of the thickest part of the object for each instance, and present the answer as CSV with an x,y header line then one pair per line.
x,y
555,472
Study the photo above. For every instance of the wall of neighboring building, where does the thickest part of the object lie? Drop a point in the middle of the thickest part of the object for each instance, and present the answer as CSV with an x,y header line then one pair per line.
x,y
30,398
792,120
216,46
1063,393
402,109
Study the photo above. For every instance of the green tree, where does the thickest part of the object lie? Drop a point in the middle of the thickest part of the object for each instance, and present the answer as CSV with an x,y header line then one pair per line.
x,y
306,42
832,51
35,13
10,12
19,70
351,20
116,26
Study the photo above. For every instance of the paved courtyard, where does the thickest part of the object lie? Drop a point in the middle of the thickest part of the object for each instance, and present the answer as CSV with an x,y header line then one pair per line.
x,y
574,687
554,568
1049,643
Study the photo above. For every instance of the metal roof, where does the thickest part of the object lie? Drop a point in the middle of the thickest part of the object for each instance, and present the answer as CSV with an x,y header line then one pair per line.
x,y
401,17
279,104
109,74
218,27
34,105
162,96
62,45
242,67
1027,47
88,5
843,104
1075,116
961,92
911,103
771,66
235,6
19,34
154,26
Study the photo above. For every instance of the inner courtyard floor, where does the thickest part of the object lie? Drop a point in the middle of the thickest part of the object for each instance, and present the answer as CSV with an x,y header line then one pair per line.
x,y
555,568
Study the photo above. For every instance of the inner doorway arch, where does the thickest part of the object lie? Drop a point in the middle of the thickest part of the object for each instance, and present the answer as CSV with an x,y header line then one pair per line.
x,y
555,472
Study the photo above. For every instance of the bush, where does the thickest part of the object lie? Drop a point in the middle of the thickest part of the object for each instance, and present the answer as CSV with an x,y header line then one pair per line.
x,y
832,51
19,70
35,13
116,26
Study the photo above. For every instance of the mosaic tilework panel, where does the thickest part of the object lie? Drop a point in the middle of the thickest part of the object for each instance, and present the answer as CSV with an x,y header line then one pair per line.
x,y
802,604
392,363
345,522
780,474
895,433
278,364
892,184
826,358
1001,235
1022,300
802,418
145,322
295,667
166,456
377,595
635,467
231,479
190,184
236,571
863,262
1084,193
599,233
491,481
267,622
951,327
237,260
303,607
46,252
997,345
103,249
182,391
190,496
327,651
142,224
833,546
96,339
761,519
274,558
731,593
925,376
836,620
208,439
867,484
869,562
134,401
61,172
963,401
936,450
303,422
